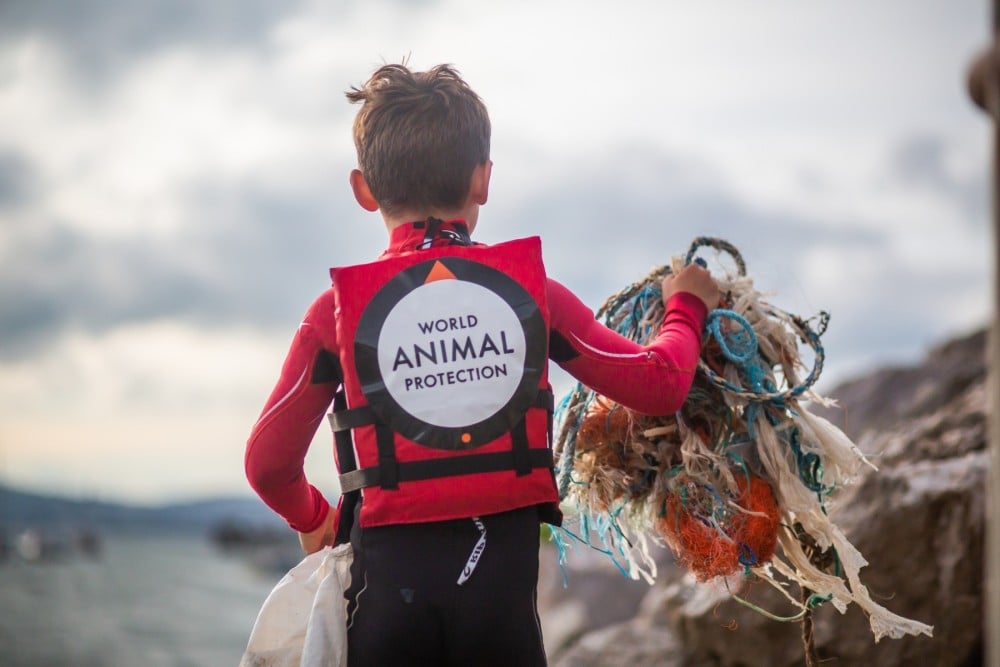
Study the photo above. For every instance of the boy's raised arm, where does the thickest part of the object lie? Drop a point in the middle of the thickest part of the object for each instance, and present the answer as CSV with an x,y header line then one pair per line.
x,y
652,379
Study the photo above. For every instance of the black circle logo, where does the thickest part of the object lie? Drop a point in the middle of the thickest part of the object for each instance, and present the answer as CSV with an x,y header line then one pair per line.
x,y
450,352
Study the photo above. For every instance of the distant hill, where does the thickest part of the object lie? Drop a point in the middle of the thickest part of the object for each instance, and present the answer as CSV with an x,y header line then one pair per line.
x,y
22,509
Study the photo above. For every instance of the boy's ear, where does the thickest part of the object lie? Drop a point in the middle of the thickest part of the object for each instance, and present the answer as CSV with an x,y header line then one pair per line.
x,y
479,187
361,191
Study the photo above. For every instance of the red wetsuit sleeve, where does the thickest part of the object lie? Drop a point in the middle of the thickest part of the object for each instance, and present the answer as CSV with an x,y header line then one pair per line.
x,y
280,439
652,379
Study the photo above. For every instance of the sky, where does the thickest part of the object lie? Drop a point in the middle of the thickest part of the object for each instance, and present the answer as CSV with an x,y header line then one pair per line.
x,y
173,190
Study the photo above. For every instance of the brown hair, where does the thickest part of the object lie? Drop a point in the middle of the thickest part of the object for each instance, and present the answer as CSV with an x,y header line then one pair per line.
x,y
419,135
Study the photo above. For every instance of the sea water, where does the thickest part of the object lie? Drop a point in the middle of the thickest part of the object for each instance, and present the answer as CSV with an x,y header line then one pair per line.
x,y
140,601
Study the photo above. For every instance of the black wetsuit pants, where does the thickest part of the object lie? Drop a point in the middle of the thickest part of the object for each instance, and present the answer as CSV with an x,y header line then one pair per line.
x,y
405,606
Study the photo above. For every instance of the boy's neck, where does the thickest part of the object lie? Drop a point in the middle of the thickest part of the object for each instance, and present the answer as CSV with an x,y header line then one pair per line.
x,y
427,233
468,215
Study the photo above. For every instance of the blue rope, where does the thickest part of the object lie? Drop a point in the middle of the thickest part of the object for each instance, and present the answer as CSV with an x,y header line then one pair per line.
x,y
736,345
740,346
568,455
809,464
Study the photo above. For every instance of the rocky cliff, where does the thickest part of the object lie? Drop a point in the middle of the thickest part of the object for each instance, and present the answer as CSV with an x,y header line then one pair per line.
x,y
919,520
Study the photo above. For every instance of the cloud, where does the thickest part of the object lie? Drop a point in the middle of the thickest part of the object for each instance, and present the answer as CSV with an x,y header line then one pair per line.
x,y
252,257
894,279
17,179
920,161
255,254
928,162
151,398
609,226
185,188
101,37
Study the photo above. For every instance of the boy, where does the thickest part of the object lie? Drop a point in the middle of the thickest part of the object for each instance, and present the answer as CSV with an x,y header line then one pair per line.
x,y
435,359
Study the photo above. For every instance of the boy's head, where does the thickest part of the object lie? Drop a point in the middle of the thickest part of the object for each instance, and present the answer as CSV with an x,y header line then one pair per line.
x,y
419,136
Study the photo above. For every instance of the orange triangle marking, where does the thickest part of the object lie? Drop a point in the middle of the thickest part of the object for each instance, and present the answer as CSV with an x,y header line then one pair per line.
x,y
439,272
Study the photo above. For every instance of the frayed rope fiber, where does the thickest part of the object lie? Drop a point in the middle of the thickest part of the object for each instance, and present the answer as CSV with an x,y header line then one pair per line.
x,y
736,482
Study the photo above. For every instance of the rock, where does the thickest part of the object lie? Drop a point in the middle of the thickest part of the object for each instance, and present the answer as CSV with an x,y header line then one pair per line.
x,y
640,643
888,396
919,520
593,594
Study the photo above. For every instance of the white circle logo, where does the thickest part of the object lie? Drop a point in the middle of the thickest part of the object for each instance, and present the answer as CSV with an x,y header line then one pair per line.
x,y
451,353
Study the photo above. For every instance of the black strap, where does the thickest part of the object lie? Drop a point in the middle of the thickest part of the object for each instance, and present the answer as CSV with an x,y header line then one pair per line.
x,y
388,468
412,471
435,230
345,419
389,472
544,399
348,464
326,368
520,449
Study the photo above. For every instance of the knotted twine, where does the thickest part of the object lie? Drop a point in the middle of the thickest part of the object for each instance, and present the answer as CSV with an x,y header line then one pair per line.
x,y
629,480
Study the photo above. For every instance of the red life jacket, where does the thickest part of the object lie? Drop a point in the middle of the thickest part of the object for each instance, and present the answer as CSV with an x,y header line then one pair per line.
x,y
446,408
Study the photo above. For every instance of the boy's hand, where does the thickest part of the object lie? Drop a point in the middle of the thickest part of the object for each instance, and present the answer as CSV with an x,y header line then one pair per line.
x,y
321,537
694,280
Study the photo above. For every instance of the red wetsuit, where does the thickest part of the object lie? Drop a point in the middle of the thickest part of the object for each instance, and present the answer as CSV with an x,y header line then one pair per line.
x,y
653,379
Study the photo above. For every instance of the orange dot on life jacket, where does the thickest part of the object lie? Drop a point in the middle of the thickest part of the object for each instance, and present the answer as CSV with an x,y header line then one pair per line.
x,y
466,438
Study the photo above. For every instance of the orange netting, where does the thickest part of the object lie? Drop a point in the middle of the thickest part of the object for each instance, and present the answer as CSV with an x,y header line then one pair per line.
x,y
750,533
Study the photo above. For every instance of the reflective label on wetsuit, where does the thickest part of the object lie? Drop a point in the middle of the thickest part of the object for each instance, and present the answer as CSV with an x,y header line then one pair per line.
x,y
477,551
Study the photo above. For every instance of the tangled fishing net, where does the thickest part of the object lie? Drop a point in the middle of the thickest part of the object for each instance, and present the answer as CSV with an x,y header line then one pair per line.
x,y
739,479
